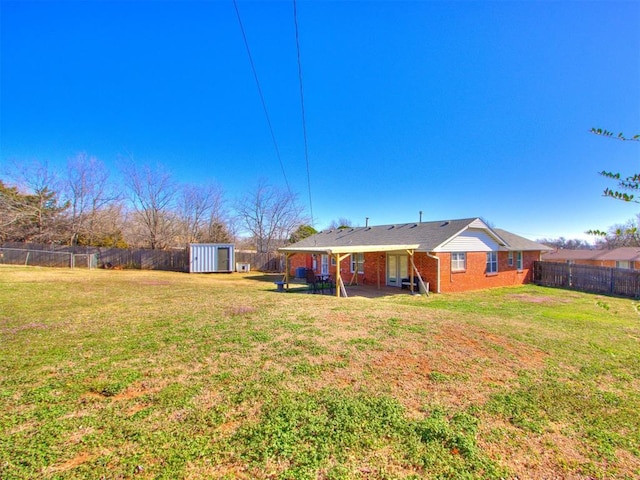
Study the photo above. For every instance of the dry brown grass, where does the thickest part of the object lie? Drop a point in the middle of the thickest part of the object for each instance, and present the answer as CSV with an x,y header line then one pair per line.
x,y
203,355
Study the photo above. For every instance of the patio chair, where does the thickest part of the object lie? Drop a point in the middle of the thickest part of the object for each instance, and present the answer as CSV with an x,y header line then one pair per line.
x,y
312,280
330,284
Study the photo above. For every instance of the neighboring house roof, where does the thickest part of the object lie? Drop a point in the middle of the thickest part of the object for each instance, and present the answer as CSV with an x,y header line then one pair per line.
x,y
443,235
622,254
564,254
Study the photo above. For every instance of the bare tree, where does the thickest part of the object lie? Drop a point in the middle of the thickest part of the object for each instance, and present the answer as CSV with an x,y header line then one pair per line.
x,y
220,226
270,214
340,223
15,212
35,210
568,244
90,197
198,209
620,235
152,193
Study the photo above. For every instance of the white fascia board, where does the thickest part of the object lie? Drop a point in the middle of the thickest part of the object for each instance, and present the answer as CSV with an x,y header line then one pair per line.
x,y
476,225
304,250
349,249
499,239
441,246
373,248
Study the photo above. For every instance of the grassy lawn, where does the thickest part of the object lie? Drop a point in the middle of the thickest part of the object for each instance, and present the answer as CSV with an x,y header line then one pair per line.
x,y
137,374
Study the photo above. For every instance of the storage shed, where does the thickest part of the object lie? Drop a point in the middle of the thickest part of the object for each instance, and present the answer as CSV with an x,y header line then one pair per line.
x,y
211,257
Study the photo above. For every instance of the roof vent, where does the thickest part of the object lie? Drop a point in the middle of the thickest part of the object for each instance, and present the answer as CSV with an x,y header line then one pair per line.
x,y
391,227
445,224
414,225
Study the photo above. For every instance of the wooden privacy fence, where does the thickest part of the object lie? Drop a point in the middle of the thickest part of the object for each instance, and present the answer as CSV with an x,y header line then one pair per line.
x,y
92,257
47,258
588,278
263,262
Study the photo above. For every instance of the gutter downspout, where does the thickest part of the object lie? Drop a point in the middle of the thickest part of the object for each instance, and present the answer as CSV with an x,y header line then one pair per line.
x,y
438,279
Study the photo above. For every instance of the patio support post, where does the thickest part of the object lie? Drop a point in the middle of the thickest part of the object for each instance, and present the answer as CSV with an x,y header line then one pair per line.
x,y
410,252
286,269
414,268
338,279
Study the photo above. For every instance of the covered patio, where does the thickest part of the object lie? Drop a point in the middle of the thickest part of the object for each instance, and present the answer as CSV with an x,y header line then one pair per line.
x,y
339,253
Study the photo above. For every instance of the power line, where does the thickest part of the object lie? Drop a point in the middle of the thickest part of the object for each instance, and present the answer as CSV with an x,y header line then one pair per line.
x,y
304,121
264,104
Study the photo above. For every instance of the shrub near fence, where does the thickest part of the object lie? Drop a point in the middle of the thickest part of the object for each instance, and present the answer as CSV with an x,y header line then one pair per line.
x,y
588,278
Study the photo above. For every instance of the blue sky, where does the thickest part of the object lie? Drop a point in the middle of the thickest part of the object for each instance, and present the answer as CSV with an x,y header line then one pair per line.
x,y
456,109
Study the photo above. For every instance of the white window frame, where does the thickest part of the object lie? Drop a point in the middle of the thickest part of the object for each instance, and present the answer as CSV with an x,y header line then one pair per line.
x,y
519,261
324,264
623,264
510,259
357,259
458,261
492,263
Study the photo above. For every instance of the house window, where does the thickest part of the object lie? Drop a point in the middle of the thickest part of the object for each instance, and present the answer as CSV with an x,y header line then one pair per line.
x,y
324,265
492,262
519,261
458,261
333,261
623,264
357,262
510,260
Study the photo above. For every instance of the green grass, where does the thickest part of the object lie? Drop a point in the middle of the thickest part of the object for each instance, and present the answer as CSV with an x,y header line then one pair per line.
x,y
122,374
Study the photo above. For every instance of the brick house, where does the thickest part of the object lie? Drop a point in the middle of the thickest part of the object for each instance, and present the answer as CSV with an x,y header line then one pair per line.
x,y
443,256
622,257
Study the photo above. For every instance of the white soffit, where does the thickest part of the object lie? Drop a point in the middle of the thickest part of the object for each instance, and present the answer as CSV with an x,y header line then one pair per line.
x,y
332,250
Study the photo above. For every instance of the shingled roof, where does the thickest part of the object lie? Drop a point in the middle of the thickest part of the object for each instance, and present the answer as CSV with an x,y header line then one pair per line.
x,y
620,254
423,236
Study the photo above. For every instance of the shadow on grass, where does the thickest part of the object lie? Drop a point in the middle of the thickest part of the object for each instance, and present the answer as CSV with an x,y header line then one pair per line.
x,y
266,277
295,285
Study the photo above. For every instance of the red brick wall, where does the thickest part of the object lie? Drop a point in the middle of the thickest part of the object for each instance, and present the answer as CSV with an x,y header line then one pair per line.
x,y
298,260
473,278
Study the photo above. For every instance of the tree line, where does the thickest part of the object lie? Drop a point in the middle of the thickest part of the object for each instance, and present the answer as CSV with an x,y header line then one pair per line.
x,y
148,208
618,235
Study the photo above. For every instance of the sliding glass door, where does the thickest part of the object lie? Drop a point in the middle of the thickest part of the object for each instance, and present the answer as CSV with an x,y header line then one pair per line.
x,y
397,269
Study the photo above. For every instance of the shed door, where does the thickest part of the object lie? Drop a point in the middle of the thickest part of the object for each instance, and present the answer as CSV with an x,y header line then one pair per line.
x,y
223,259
